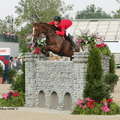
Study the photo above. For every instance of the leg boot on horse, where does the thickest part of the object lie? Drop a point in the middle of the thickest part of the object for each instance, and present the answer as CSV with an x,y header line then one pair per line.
x,y
71,41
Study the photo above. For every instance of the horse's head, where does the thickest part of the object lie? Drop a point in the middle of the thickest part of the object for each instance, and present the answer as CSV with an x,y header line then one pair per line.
x,y
36,31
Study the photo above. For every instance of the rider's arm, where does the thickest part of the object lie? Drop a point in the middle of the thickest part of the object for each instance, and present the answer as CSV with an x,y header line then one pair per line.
x,y
52,23
62,32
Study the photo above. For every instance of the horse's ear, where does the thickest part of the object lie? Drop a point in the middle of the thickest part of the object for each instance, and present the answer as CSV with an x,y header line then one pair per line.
x,y
40,22
33,22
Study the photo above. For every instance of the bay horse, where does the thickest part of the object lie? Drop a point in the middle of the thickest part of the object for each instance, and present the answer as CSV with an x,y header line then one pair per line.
x,y
55,43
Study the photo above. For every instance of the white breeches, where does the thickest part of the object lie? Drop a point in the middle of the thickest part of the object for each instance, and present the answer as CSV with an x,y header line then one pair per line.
x,y
68,30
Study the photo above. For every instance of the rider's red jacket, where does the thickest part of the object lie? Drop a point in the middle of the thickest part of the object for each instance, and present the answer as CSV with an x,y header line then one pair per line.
x,y
64,24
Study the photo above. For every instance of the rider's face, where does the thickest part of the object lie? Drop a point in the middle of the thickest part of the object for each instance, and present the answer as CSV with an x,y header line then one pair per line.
x,y
56,22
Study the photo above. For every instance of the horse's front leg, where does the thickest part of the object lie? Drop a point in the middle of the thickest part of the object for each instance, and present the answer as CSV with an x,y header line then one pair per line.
x,y
45,51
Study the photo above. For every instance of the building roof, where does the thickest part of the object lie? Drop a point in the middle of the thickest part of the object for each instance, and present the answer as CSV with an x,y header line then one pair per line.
x,y
108,28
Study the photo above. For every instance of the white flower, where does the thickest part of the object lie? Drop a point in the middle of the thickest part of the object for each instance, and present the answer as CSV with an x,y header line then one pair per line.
x,y
29,37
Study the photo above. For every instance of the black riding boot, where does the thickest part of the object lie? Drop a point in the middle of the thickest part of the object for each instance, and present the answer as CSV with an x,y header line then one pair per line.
x,y
71,41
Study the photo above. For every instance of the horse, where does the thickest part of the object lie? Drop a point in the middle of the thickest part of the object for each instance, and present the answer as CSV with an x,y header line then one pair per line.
x,y
54,43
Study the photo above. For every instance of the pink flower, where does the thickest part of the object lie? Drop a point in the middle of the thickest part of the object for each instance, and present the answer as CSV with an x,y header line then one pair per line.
x,y
87,31
88,99
5,95
80,105
105,108
85,41
79,102
9,92
105,103
28,46
25,38
83,107
93,36
28,34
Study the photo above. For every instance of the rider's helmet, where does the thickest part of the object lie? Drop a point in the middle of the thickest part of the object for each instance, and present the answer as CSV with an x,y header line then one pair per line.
x,y
57,18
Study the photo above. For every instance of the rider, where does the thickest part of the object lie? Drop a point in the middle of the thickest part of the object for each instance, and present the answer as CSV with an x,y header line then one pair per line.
x,y
64,25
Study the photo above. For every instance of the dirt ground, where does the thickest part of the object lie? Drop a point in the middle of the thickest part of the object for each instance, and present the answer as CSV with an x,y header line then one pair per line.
x,y
24,113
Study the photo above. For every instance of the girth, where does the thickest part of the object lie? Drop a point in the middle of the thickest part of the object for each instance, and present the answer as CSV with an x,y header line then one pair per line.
x,y
61,53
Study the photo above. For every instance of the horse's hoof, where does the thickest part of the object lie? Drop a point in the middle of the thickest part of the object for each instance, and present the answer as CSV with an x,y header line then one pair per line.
x,y
47,54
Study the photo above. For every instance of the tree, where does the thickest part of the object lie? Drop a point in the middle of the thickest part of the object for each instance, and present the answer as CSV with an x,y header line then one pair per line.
x,y
117,13
23,33
6,25
3,26
37,10
92,12
95,88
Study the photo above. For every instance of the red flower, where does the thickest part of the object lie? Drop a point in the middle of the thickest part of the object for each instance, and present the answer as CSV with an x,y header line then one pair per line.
x,y
111,100
108,100
97,45
101,101
91,102
37,50
95,101
92,106
111,103
15,94
88,104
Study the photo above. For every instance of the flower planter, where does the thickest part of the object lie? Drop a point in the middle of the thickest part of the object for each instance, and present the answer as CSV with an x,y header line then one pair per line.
x,y
1,80
86,47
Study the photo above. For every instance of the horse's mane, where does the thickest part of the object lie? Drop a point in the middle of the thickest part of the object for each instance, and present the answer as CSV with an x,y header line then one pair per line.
x,y
47,24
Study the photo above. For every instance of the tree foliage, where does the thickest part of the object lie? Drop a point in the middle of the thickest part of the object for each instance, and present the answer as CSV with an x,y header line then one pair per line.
x,y
23,33
92,12
6,24
37,10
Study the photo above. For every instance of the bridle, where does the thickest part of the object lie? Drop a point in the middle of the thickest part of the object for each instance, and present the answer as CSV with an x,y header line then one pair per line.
x,y
37,35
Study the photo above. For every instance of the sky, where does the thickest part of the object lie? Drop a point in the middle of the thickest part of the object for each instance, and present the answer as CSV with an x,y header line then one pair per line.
x,y
7,7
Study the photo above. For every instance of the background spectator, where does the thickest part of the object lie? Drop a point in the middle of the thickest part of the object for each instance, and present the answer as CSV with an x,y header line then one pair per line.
x,y
18,64
11,63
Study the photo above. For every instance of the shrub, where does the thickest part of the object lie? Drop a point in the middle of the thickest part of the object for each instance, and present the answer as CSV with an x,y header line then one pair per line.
x,y
1,71
94,69
111,79
97,91
11,73
94,88
19,83
112,64
106,51
88,106
12,99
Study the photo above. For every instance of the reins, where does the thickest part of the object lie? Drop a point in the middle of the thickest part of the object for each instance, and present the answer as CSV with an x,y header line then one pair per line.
x,y
49,32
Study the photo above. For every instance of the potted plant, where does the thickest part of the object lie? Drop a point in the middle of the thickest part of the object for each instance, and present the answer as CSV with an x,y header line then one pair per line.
x,y
1,74
85,38
11,73
31,46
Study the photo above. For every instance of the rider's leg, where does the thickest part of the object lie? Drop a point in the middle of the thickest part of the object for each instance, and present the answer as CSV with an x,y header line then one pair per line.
x,y
70,38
